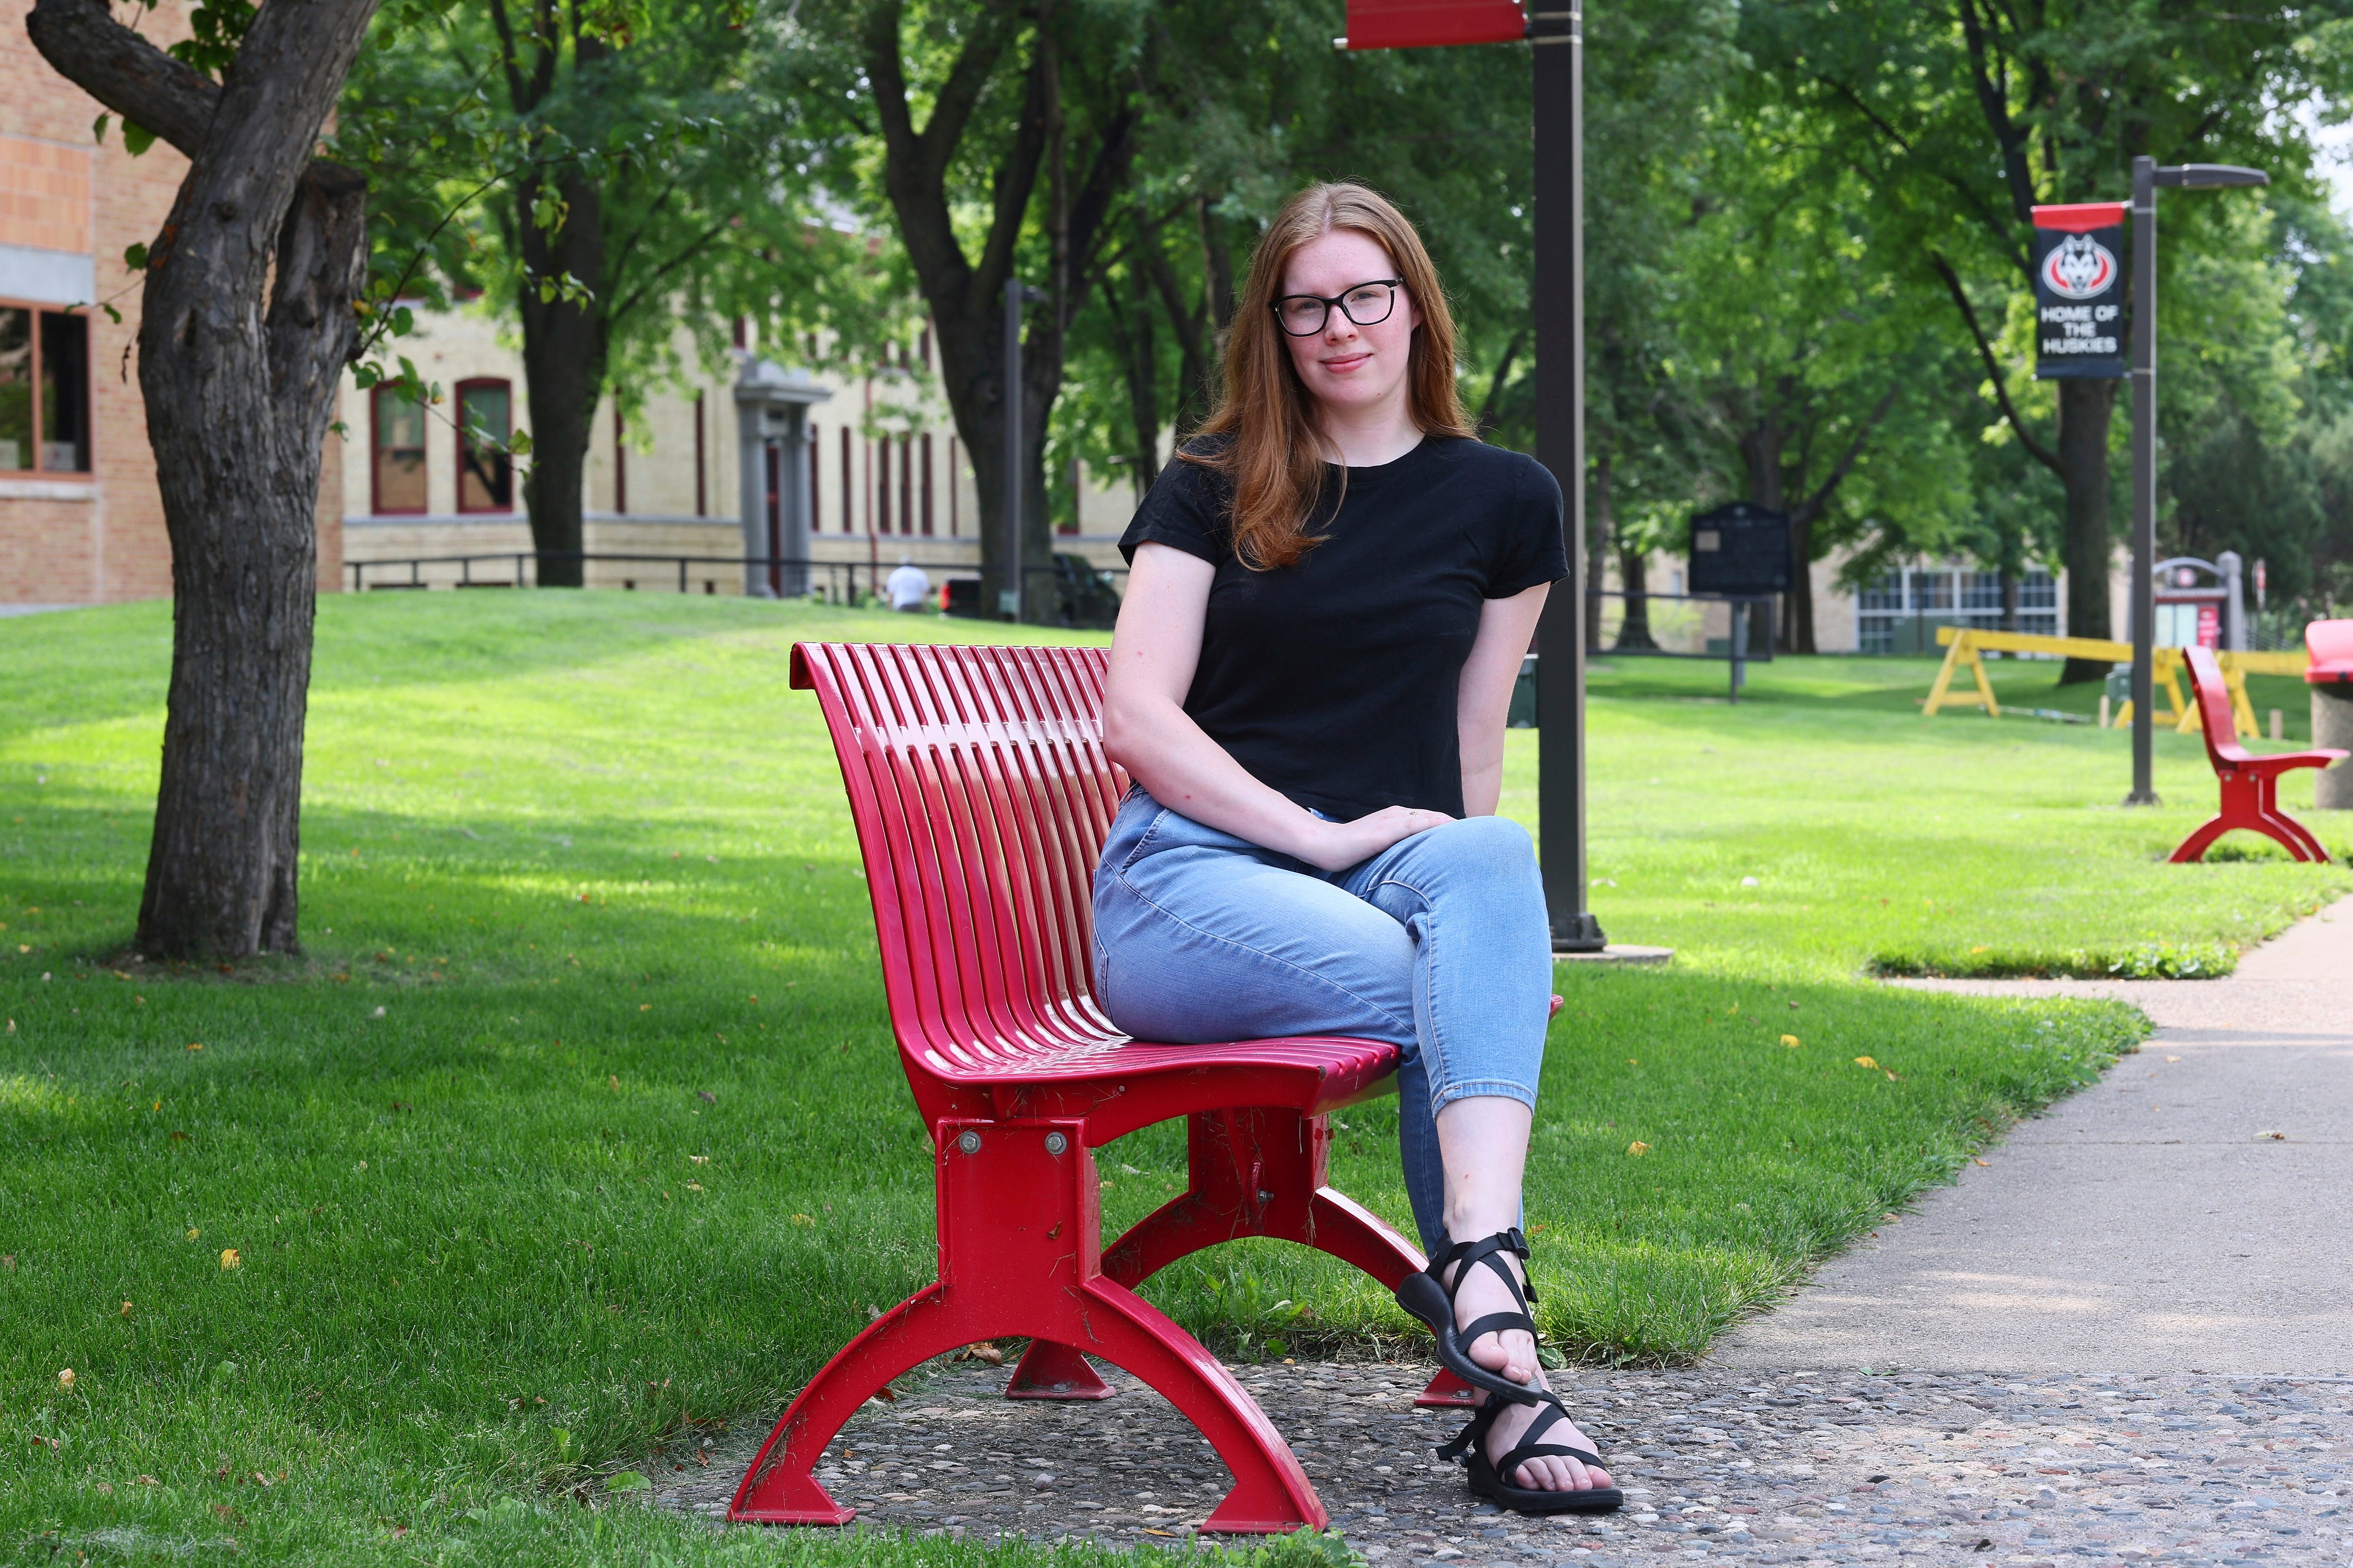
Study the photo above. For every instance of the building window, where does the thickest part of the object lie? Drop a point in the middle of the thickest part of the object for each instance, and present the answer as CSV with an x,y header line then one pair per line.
x,y
1900,611
849,490
879,477
398,473
485,424
954,488
906,484
44,391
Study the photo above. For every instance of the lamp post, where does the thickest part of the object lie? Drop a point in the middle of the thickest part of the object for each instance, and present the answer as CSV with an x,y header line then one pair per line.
x,y
1557,30
2148,175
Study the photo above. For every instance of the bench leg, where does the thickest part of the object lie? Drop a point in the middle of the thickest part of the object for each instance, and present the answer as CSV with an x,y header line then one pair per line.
x,y
1254,1172
1271,1493
779,1487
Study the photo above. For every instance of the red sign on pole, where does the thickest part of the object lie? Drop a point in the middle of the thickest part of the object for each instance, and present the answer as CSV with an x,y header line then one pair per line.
x,y
1421,23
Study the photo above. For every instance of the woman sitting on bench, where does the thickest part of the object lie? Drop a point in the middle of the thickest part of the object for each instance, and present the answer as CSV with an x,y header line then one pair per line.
x,y
1332,590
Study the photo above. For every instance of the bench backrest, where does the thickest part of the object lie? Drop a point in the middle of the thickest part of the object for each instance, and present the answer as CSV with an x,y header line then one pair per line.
x,y
982,797
2330,646
2214,698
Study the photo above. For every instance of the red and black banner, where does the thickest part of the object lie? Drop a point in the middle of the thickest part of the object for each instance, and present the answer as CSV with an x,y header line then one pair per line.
x,y
2079,291
1424,24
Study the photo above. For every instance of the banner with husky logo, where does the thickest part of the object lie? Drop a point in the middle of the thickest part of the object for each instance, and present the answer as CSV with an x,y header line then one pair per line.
x,y
2079,291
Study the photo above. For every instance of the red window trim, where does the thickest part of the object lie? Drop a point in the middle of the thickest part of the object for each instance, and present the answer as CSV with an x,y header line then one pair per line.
x,y
458,473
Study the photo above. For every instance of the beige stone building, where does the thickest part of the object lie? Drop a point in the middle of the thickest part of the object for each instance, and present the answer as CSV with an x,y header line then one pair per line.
x,y
723,480
81,521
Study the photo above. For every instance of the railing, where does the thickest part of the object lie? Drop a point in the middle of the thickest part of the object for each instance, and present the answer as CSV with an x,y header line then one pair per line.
x,y
1081,594
1740,647
839,583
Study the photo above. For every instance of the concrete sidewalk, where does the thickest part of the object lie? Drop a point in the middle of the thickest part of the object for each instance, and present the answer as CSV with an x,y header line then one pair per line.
x,y
2191,1212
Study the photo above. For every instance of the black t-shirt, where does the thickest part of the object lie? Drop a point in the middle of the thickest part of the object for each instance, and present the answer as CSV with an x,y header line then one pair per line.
x,y
1333,679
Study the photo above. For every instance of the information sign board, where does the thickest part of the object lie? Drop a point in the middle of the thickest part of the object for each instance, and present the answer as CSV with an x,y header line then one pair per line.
x,y
1741,547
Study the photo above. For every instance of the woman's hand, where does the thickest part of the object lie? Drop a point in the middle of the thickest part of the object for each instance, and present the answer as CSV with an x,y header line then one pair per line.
x,y
1340,844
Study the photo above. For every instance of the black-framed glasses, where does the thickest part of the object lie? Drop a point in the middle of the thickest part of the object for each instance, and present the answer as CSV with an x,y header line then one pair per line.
x,y
1366,304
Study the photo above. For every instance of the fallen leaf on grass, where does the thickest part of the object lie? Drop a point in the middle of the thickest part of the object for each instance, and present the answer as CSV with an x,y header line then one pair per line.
x,y
126,1308
1791,1040
230,1259
1637,1148
66,1378
705,1096
195,1045
1866,1062
694,1186
645,1006
149,1481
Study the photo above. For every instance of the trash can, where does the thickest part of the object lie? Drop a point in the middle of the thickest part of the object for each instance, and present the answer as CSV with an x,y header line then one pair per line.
x,y
1524,695
2331,676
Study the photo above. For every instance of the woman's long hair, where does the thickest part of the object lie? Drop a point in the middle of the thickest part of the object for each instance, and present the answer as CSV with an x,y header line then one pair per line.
x,y
1271,452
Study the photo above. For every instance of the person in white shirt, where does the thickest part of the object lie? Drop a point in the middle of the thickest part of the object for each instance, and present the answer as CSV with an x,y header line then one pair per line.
x,y
909,589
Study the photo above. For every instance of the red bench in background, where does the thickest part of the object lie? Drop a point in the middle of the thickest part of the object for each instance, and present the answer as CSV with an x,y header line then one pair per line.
x,y
2250,782
982,796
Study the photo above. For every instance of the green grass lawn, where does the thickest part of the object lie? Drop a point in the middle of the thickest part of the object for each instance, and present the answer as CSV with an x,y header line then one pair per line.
x,y
578,1123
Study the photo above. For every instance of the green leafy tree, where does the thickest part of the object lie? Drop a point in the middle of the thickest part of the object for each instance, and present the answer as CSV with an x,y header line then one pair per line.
x,y
1962,116
619,172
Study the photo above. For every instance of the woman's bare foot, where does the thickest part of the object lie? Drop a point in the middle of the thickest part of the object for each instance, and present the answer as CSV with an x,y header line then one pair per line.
x,y
1513,1353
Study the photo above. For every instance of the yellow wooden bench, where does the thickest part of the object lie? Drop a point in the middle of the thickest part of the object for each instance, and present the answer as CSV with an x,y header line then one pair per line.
x,y
1963,644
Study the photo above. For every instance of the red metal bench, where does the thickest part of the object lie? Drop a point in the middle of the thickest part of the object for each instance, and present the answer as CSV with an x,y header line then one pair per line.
x,y
982,796
2250,782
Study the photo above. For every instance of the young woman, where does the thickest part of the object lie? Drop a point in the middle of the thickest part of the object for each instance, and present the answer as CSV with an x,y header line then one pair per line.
x,y
1332,590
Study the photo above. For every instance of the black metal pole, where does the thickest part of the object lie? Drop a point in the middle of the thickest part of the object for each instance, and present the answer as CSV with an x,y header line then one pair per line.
x,y
2144,477
1558,300
1014,296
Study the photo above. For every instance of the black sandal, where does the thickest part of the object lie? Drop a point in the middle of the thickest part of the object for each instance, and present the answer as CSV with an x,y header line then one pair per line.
x,y
1488,1478
1428,1297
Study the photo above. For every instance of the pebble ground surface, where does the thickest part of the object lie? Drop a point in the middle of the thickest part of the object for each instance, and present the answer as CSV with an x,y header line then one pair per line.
x,y
1720,1466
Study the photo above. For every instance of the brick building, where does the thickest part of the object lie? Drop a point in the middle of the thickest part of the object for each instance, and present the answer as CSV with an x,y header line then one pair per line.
x,y
81,521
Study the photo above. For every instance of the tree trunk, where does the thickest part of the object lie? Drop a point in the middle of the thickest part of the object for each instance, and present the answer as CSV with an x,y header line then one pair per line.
x,y
247,323
1139,356
1797,630
2085,406
966,298
565,346
1762,449
1634,631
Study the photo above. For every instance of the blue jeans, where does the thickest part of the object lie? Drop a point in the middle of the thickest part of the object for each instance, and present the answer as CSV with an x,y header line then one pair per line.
x,y
1438,945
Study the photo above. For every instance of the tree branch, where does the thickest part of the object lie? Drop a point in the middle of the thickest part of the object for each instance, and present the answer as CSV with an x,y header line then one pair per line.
x,y
2040,453
1995,106
1814,505
124,72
